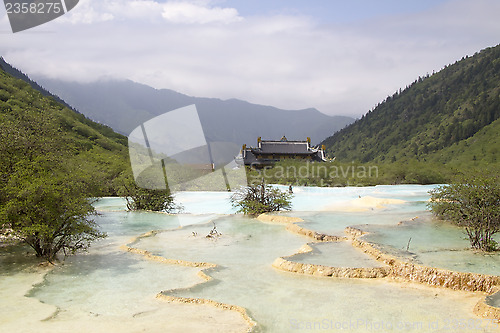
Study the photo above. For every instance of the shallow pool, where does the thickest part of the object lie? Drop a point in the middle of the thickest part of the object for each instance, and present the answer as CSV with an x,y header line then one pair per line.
x,y
109,289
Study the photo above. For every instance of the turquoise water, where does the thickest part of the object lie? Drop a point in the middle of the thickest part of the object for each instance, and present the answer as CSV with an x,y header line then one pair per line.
x,y
319,198
107,286
334,223
283,302
434,243
107,281
337,254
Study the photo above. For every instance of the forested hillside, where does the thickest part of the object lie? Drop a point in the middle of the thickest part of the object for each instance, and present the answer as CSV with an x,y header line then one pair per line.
x,y
6,67
36,130
449,117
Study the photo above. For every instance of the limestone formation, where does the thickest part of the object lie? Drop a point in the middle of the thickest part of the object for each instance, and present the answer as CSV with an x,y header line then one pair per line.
x,y
168,295
395,268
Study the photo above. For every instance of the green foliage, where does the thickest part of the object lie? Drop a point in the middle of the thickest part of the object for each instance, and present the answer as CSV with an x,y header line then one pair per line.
x,y
33,124
447,117
480,150
4,66
152,200
43,193
256,199
49,210
473,203
4,95
48,171
146,199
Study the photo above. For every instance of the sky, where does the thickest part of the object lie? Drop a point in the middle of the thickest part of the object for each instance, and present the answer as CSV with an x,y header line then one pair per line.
x,y
341,57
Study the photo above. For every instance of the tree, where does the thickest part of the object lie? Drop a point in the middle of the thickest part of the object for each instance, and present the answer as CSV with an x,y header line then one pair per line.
x,y
145,199
52,160
473,203
153,200
47,206
260,198
44,190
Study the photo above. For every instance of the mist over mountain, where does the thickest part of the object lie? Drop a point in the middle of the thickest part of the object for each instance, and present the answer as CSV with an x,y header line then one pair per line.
x,y
34,127
124,105
8,68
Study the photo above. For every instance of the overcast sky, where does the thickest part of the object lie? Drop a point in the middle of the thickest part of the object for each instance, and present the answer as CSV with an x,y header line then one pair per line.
x,y
341,57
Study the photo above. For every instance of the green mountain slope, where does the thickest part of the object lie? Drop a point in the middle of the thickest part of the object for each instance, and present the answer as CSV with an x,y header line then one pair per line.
x,y
6,67
34,127
482,149
450,117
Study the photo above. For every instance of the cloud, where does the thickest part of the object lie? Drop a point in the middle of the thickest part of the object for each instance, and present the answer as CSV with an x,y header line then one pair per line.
x,y
187,12
133,10
199,12
86,12
289,61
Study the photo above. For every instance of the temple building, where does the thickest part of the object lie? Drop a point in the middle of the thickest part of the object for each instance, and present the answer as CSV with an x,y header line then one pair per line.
x,y
269,152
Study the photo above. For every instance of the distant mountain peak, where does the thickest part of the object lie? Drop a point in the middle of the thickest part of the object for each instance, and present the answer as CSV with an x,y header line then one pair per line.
x,y
124,105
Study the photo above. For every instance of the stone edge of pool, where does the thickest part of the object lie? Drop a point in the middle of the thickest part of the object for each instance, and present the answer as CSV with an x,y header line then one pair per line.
x,y
395,268
167,295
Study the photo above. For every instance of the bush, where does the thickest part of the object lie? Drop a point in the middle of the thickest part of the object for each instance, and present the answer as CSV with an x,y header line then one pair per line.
x,y
256,199
145,199
43,191
473,203
153,200
48,209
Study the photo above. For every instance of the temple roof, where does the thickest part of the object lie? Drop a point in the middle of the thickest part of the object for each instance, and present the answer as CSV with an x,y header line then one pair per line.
x,y
284,147
271,151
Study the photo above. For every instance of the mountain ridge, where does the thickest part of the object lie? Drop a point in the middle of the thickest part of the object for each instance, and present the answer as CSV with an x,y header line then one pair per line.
x,y
34,126
8,68
427,119
125,104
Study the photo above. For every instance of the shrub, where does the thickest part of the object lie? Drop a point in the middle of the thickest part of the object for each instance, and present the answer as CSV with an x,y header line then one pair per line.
x,y
145,199
260,198
473,203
